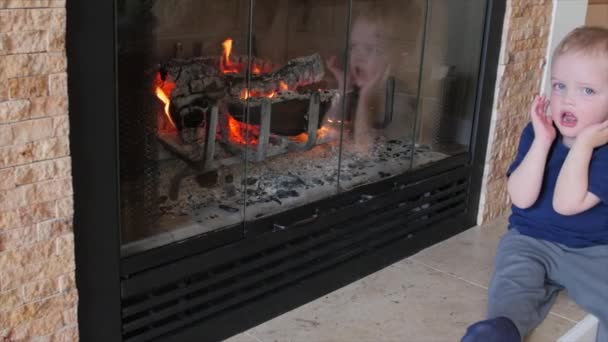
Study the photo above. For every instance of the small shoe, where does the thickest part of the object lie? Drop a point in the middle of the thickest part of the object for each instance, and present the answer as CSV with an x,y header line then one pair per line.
x,y
500,329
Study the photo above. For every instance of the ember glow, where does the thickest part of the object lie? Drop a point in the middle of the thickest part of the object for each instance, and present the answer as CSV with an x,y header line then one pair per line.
x,y
283,86
240,130
244,94
300,138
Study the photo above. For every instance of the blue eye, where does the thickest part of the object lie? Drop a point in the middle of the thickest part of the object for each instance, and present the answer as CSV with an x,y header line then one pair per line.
x,y
588,91
559,86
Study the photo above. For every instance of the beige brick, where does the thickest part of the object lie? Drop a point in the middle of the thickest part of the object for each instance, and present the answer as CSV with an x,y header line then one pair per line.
x,y
47,190
70,316
31,3
37,326
53,228
32,19
67,282
55,40
61,125
6,135
36,213
11,111
16,155
9,300
32,130
41,171
33,254
33,64
26,87
13,198
65,207
23,42
39,290
51,148
9,219
49,106
7,178
58,84
15,238
67,334
3,86
54,267
65,245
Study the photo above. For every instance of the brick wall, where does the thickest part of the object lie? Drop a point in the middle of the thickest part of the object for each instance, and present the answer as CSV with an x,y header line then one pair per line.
x,y
520,72
38,296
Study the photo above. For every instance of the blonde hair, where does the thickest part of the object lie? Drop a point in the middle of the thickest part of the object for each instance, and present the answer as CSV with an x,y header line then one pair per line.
x,y
588,40
391,22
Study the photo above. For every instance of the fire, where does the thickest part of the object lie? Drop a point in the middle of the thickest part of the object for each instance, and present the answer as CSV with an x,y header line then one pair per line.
x,y
283,86
163,91
239,131
225,64
300,138
244,94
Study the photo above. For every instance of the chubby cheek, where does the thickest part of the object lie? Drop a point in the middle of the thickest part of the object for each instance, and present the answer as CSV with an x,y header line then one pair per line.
x,y
554,110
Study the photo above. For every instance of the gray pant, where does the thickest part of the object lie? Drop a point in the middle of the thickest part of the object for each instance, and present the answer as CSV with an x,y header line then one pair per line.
x,y
530,273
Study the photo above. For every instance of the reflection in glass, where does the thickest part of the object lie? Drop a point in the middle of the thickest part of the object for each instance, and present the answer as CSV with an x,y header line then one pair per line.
x,y
450,72
382,87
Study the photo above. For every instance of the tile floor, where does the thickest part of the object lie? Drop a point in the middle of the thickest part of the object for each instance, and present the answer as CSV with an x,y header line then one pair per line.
x,y
430,297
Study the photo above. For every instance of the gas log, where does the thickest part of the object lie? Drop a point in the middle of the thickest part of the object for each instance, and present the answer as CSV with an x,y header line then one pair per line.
x,y
297,72
199,83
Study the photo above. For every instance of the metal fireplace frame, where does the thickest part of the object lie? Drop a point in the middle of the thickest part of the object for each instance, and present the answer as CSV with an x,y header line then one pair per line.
x,y
311,253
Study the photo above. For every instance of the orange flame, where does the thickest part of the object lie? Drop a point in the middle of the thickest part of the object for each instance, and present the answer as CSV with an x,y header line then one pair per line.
x,y
300,138
245,93
225,64
283,86
163,92
239,130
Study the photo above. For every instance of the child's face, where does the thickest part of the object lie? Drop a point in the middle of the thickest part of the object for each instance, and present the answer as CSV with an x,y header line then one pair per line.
x,y
367,57
579,93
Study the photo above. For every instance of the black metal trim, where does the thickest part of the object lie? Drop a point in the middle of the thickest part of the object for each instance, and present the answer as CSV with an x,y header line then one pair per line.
x,y
92,100
258,310
495,13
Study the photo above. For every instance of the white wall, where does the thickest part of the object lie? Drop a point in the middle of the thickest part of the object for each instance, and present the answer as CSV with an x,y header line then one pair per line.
x,y
567,15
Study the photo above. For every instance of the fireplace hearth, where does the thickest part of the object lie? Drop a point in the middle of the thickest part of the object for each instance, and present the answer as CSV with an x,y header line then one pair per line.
x,y
252,155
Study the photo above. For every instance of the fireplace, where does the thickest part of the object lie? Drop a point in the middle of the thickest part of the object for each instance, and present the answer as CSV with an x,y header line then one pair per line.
x,y
247,156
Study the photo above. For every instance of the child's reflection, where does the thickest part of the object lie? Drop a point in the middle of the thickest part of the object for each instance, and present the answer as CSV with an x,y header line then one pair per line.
x,y
368,71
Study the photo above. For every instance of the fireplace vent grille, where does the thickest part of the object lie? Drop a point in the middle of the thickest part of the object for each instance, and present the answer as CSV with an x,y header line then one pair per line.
x,y
152,313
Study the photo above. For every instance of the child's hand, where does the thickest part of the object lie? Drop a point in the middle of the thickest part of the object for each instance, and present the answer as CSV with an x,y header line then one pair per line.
x,y
544,131
375,84
593,136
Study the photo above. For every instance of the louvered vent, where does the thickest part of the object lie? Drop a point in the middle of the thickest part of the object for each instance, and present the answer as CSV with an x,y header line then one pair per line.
x,y
150,314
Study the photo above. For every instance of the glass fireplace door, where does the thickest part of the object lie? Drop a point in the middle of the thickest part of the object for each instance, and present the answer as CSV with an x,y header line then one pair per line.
x,y
294,101
232,111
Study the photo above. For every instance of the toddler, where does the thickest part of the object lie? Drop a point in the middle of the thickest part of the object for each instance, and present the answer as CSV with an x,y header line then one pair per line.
x,y
558,184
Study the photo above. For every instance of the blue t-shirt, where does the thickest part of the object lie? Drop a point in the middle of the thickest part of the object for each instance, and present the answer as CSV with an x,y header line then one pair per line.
x,y
585,229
